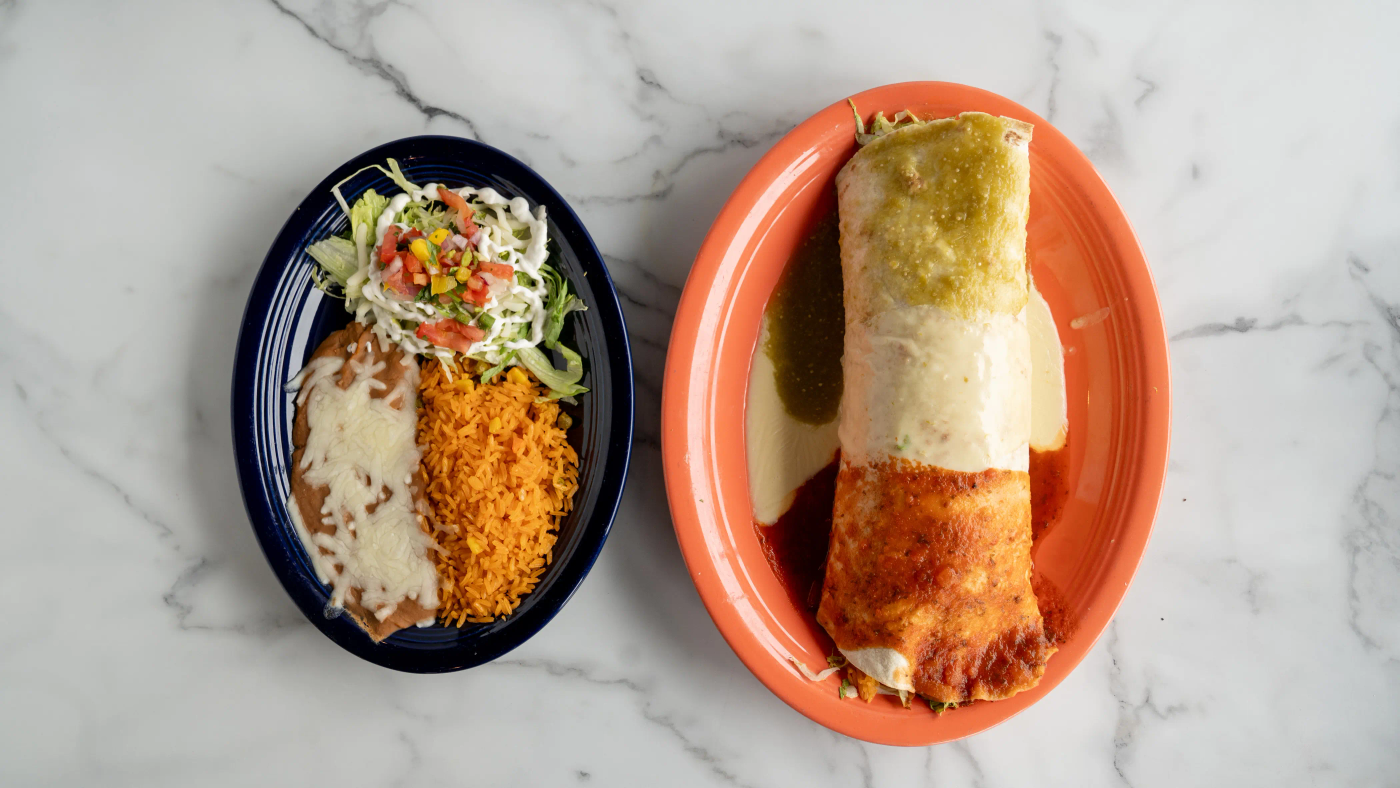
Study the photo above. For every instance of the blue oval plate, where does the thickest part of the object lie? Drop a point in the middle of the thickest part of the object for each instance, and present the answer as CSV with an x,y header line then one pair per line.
x,y
286,318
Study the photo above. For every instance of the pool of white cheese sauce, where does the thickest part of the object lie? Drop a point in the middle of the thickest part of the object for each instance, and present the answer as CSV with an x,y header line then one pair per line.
x,y
783,453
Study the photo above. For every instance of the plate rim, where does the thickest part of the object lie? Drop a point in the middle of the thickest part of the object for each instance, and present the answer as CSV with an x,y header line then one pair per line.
x,y
281,253
681,469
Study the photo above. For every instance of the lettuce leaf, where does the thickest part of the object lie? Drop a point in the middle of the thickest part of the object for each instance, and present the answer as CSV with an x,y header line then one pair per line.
x,y
364,218
490,374
561,384
558,303
337,259
367,209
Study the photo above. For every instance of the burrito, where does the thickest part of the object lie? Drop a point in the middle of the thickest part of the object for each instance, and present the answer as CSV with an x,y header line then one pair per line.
x,y
928,578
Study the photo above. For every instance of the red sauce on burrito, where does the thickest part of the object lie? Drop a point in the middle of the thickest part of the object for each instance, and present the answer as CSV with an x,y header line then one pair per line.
x,y
796,545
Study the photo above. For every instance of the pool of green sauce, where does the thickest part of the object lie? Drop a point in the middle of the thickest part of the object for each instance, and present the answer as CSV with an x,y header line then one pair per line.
x,y
807,327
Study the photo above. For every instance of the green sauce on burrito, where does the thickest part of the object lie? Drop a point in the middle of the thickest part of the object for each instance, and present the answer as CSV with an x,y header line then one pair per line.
x,y
935,241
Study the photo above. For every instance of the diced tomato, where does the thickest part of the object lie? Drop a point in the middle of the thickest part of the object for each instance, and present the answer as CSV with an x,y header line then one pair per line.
x,y
420,279
411,263
436,335
410,234
390,245
398,282
477,296
498,270
456,202
470,332
451,334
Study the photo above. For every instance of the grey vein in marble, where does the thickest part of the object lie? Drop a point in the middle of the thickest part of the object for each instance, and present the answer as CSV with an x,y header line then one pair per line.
x,y
371,63
580,673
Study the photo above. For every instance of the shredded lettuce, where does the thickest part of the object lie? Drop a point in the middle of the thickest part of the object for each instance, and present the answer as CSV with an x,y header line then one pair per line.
x,y
561,384
396,175
423,217
880,125
807,672
490,374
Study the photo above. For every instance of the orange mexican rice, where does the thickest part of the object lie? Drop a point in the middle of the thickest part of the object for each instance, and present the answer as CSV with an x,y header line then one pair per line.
x,y
499,476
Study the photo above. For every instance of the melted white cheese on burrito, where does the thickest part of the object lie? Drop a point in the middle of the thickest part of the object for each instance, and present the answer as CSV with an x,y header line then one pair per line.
x,y
938,389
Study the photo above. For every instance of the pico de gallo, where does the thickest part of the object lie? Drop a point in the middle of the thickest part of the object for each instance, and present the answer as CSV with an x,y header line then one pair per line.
x,y
453,273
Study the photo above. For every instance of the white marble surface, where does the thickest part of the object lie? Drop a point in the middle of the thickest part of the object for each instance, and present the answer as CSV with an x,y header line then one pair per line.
x,y
152,150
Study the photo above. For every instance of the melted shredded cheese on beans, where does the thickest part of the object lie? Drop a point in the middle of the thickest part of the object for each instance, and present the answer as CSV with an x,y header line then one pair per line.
x,y
363,451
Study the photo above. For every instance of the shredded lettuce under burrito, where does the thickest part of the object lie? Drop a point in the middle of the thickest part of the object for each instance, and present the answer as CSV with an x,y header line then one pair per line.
x,y
881,125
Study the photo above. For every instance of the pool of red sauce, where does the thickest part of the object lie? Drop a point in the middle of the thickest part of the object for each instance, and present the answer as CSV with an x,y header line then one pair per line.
x,y
796,544
1049,491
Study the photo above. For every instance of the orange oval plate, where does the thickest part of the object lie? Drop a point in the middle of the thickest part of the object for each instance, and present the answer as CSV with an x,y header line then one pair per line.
x,y
1088,264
